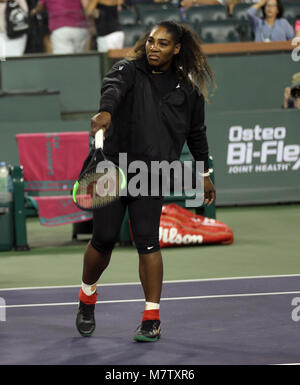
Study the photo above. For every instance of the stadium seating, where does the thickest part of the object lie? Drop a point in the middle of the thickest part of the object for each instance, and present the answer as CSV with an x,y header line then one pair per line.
x,y
239,11
132,34
219,31
197,15
127,17
292,11
149,17
141,7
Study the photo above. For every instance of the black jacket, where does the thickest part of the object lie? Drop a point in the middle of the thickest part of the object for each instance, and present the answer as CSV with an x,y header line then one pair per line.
x,y
147,126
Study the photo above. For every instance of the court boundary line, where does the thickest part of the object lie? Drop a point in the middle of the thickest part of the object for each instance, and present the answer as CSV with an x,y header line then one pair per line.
x,y
162,299
138,283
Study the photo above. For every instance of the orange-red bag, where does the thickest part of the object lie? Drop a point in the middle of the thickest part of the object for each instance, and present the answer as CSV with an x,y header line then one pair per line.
x,y
179,226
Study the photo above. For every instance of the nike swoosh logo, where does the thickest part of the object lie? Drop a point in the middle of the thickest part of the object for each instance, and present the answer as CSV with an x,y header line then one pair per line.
x,y
150,247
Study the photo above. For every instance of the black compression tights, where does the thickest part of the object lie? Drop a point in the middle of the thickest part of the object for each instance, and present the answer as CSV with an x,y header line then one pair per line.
x,y
144,214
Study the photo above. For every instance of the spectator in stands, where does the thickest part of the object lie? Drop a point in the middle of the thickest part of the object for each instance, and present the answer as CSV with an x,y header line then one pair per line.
x,y
291,98
67,23
11,47
272,27
39,34
297,28
108,28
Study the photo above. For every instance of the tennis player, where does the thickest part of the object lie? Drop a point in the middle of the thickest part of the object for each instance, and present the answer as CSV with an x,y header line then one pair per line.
x,y
151,102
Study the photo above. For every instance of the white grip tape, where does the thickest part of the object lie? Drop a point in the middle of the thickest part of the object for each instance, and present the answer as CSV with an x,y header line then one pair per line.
x,y
99,138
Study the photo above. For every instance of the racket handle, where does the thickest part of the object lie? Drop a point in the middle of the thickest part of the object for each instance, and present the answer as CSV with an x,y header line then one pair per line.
x,y
99,138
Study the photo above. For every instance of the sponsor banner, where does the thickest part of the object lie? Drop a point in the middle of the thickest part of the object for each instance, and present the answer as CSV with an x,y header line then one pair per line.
x,y
256,156
261,150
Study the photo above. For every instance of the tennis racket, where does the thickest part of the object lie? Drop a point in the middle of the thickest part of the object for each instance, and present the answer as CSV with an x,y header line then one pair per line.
x,y
101,181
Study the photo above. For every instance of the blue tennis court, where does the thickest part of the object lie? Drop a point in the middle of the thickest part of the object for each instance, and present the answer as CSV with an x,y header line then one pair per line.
x,y
231,321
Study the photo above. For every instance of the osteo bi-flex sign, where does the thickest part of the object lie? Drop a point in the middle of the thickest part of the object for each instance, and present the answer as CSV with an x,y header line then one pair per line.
x,y
261,150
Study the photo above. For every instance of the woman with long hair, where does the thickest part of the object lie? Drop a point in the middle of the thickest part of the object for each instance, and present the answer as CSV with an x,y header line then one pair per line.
x,y
151,103
189,63
272,26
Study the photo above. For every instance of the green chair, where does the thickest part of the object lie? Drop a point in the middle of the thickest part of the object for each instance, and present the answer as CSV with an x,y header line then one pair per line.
x,y
132,34
150,17
141,7
197,15
221,31
292,11
128,17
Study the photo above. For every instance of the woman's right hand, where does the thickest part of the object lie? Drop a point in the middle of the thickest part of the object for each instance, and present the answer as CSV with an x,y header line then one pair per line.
x,y
100,121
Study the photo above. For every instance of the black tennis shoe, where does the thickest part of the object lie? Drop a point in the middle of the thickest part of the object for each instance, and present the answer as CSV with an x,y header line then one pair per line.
x,y
85,320
149,331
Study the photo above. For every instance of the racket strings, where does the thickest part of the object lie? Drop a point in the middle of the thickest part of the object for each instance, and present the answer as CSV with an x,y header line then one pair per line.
x,y
98,189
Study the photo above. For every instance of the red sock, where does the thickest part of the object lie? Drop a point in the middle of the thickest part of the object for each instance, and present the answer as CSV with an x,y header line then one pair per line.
x,y
88,299
151,315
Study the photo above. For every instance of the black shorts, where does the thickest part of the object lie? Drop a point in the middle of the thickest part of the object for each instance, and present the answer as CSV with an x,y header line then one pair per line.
x,y
144,215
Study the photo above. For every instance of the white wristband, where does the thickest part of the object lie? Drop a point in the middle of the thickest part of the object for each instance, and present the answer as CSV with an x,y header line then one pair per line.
x,y
205,174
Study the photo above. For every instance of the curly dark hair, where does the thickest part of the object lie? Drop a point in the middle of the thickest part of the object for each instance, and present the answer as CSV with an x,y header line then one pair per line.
x,y
190,63
280,10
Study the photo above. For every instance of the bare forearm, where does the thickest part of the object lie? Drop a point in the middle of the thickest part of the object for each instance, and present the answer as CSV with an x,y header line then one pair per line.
x,y
38,9
85,3
259,4
190,3
91,6
207,2
109,2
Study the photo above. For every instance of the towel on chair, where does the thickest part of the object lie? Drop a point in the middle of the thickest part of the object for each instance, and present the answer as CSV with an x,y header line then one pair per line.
x,y
52,161
60,210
